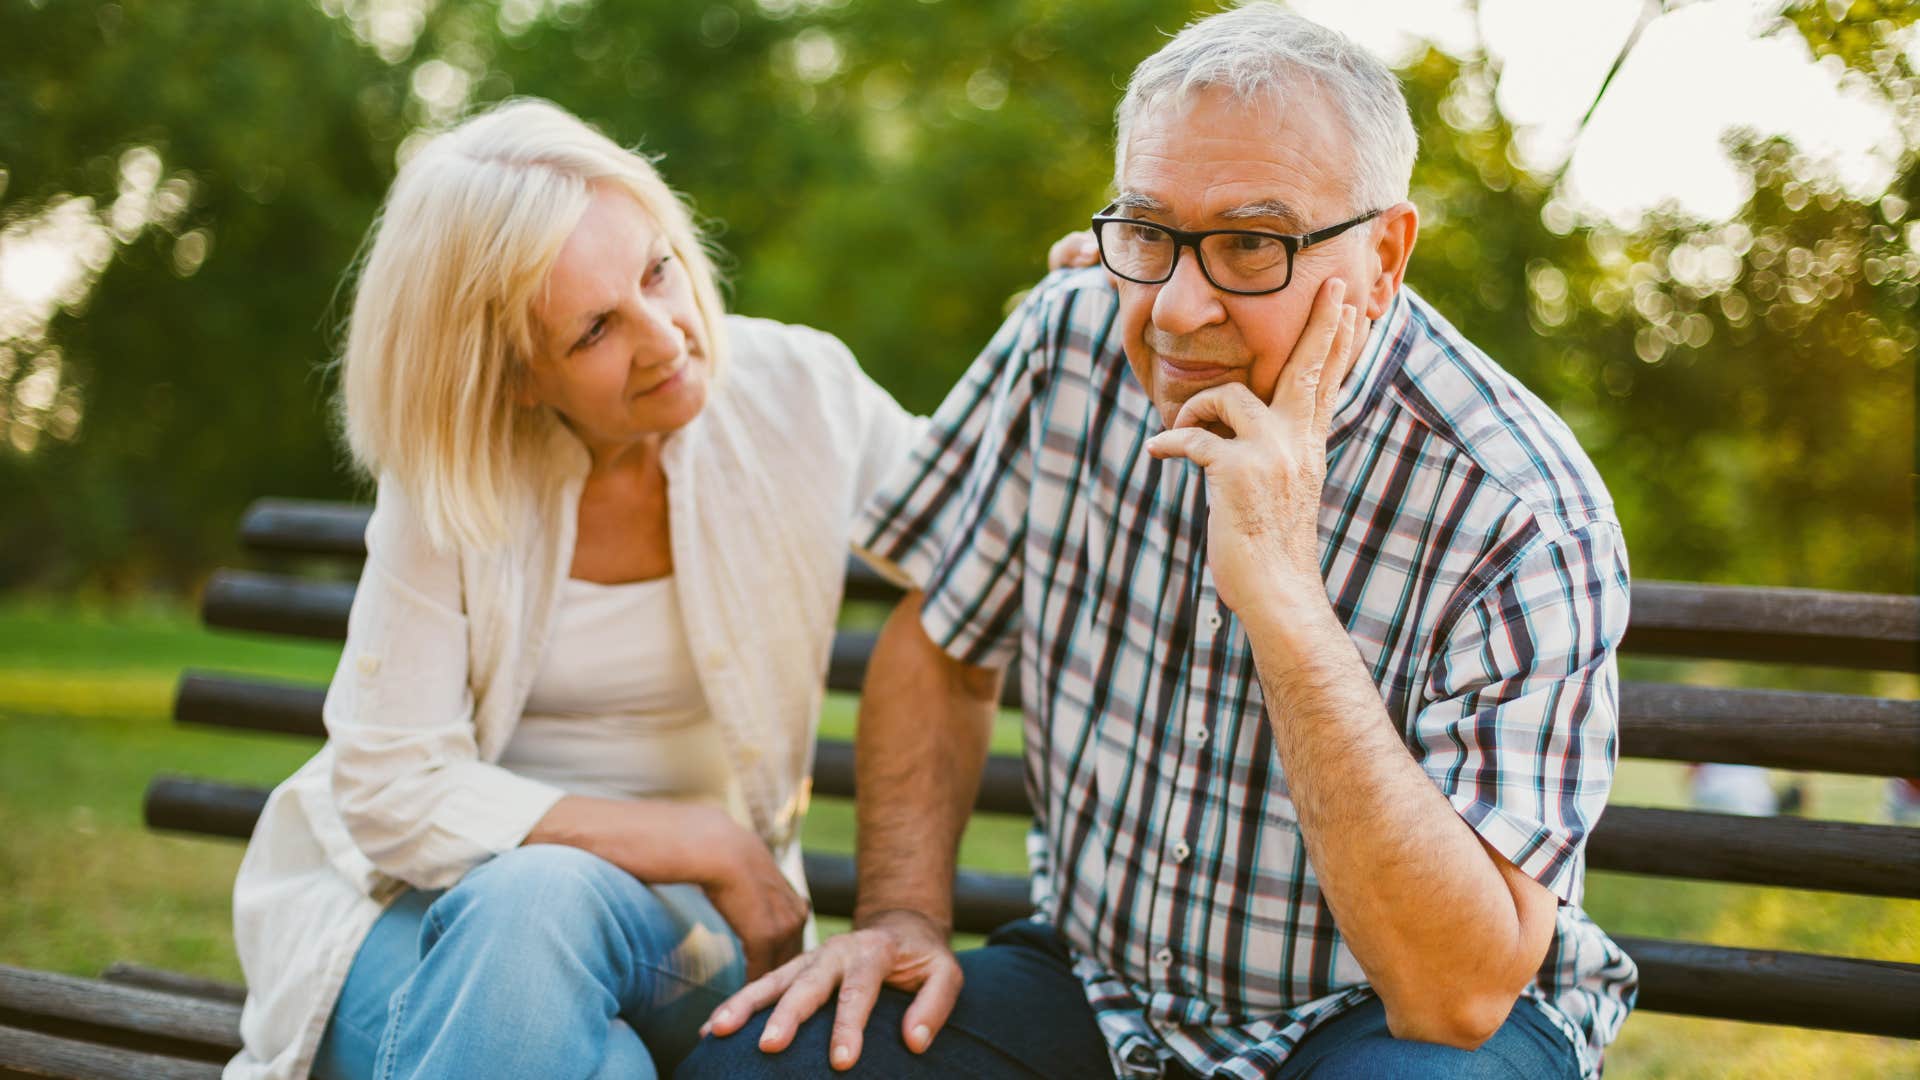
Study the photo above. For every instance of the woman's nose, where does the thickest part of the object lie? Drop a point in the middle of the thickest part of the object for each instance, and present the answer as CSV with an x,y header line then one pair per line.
x,y
660,338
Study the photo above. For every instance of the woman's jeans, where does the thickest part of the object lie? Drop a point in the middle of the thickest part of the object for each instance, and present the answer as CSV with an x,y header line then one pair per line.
x,y
545,961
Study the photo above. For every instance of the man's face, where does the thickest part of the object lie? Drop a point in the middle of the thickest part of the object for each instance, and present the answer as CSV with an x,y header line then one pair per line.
x,y
1206,162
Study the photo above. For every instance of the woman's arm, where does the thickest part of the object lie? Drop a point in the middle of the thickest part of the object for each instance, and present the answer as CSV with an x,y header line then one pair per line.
x,y
664,842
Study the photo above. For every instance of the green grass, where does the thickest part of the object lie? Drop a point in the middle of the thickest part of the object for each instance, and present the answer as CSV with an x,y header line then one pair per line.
x,y
84,703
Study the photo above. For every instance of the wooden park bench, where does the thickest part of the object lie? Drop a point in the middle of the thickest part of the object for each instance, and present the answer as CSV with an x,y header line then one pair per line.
x,y
134,1022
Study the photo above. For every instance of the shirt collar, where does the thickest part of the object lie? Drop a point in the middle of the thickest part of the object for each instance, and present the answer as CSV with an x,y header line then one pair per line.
x,y
1378,359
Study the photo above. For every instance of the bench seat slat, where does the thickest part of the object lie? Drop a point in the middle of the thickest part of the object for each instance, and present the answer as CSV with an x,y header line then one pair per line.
x,y
1875,860
32,1053
174,982
1780,728
1765,986
171,1023
1728,622
1839,856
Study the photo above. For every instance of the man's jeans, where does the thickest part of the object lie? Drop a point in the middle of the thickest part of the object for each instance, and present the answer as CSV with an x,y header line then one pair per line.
x,y
545,961
1022,1013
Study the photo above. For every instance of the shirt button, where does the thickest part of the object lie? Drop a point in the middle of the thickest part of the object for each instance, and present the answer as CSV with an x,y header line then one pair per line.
x,y
369,663
1164,957
750,755
1197,733
1213,620
1181,851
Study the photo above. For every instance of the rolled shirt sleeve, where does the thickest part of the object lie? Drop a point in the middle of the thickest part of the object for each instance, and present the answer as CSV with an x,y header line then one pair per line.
x,y
407,776
1521,732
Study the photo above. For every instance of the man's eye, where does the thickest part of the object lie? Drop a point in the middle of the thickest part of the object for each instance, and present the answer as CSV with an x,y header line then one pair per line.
x,y
1142,234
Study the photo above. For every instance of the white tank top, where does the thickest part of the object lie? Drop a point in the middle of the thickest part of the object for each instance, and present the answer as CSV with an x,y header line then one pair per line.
x,y
616,709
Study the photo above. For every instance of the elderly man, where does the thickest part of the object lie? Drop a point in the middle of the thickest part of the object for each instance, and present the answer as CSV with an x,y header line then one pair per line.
x,y
1314,610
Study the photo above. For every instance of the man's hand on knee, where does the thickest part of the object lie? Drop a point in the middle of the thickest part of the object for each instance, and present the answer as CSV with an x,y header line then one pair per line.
x,y
902,949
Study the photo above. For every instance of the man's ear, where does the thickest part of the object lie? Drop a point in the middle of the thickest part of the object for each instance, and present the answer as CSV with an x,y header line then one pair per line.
x,y
1398,228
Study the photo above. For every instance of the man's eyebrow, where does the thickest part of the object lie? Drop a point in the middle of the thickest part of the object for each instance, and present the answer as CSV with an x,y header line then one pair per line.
x,y
1273,209
1133,200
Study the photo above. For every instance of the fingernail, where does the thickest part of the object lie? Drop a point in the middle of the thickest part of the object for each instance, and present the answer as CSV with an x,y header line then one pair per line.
x,y
769,1034
721,1014
843,1055
921,1037
706,1029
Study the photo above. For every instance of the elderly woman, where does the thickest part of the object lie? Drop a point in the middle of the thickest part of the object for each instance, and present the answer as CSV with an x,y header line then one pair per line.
x,y
569,739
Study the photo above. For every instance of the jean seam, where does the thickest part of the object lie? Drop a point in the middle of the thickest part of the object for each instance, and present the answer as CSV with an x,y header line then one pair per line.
x,y
389,1052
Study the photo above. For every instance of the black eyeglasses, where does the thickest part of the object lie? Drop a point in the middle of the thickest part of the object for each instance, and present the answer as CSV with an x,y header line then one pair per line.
x,y
1245,262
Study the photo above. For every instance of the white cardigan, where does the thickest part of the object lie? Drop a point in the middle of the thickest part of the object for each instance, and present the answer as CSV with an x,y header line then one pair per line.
x,y
442,648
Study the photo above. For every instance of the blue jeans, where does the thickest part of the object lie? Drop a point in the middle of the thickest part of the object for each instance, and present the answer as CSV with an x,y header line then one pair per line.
x,y
1022,1013
545,961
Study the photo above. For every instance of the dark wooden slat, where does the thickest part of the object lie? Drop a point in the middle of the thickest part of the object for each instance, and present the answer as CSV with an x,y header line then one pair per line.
x,y
1706,621
1874,860
334,529
39,1054
205,807
133,1017
245,703
276,604
864,583
1776,728
1003,784
852,649
1773,625
305,527
173,982
1783,729
981,902
1871,997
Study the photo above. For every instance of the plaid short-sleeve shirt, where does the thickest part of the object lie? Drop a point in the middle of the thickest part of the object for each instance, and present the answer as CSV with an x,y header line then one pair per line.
x,y
1467,545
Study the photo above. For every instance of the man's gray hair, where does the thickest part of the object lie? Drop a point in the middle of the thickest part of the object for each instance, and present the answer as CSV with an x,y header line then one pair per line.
x,y
1259,52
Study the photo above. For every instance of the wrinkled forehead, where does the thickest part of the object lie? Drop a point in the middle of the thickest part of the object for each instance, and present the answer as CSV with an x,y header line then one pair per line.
x,y
1211,151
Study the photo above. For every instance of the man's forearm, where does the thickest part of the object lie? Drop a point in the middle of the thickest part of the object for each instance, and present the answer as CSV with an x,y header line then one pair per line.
x,y
924,724
1425,907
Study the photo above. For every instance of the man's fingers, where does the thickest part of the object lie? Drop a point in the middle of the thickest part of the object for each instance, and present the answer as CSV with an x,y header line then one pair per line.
x,y
802,999
932,1005
1298,389
1352,339
1229,404
750,999
859,988
1197,445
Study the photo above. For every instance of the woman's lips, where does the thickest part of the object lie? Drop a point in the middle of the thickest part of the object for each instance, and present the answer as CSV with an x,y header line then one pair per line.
x,y
666,382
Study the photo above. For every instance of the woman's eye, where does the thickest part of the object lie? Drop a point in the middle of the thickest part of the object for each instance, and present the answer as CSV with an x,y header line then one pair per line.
x,y
593,333
658,270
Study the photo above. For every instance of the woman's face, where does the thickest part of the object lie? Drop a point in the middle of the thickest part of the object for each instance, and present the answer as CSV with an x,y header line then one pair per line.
x,y
618,347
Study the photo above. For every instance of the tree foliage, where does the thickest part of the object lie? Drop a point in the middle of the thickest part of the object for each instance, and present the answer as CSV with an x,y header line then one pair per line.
x,y
892,172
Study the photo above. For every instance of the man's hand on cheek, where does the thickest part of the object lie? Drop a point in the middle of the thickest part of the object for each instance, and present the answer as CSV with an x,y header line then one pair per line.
x,y
1264,475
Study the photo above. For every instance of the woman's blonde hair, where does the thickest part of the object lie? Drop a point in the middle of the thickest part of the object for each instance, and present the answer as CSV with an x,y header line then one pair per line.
x,y
442,326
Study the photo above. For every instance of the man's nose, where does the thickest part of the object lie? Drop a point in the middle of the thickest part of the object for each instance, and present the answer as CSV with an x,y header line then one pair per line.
x,y
1187,301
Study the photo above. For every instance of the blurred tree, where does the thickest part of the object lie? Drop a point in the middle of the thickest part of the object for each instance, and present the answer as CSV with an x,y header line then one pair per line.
x,y
891,172
217,163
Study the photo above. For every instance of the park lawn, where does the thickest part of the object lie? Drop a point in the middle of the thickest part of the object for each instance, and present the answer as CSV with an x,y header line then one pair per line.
x,y
84,724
